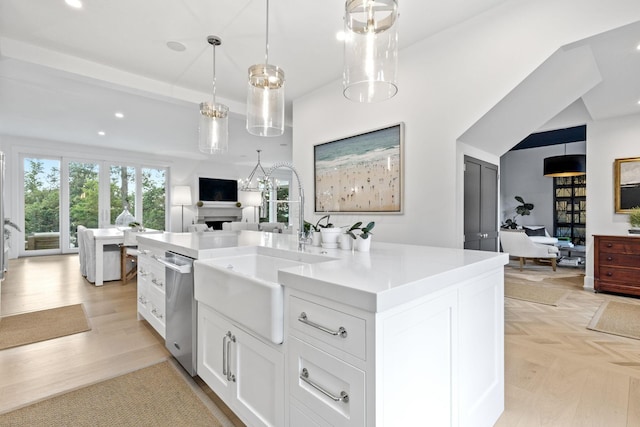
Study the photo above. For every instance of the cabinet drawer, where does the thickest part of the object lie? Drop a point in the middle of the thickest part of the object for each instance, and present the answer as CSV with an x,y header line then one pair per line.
x,y
329,387
619,259
299,417
620,275
339,330
626,246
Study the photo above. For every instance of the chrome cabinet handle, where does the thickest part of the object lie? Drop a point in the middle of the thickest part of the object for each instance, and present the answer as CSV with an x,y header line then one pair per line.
x,y
341,332
224,353
230,376
157,283
142,300
344,397
154,311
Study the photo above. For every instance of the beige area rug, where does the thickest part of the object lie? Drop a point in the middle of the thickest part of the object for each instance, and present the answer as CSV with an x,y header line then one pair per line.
x,y
538,273
155,396
617,318
535,293
42,325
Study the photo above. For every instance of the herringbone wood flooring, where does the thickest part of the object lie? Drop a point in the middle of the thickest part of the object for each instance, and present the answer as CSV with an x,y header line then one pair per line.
x,y
558,373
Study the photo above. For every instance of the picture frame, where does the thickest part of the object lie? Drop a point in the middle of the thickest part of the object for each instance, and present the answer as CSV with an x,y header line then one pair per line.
x,y
627,184
362,173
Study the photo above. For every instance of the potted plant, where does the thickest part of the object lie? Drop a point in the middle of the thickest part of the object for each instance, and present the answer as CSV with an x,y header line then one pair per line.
x,y
522,209
315,229
329,234
634,220
362,241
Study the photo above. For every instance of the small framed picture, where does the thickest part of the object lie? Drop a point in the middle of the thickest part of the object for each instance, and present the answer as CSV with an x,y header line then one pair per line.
x,y
627,184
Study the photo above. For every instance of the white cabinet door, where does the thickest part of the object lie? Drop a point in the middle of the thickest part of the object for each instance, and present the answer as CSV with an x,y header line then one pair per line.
x,y
246,373
212,348
259,388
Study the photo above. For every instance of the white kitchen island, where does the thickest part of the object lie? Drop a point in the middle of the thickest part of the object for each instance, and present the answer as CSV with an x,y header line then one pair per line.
x,y
402,335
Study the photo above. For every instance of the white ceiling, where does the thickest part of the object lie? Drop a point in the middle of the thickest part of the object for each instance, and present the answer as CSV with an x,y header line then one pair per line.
x,y
64,72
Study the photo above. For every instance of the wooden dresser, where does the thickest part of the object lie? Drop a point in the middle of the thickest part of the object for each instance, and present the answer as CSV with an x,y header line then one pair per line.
x,y
617,264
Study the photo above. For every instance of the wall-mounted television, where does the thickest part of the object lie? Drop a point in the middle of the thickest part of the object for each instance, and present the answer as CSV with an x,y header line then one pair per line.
x,y
217,190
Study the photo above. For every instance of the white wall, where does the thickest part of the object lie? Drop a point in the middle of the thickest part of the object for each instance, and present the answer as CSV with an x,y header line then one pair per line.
x,y
521,175
607,140
446,84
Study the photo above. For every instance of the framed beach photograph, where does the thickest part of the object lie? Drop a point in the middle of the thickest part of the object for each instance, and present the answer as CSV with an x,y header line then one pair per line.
x,y
360,173
627,184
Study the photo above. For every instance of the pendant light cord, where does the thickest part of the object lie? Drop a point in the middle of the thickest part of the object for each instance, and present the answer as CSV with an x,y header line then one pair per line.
x,y
266,50
213,103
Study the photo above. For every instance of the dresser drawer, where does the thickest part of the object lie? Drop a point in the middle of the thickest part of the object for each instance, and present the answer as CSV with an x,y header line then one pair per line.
x,y
619,246
335,328
619,259
619,274
331,388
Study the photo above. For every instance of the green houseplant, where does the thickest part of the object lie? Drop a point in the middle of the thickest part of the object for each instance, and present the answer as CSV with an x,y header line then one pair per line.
x,y
634,220
522,209
364,242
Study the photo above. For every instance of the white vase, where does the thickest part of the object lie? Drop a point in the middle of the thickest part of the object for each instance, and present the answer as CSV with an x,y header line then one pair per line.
x,y
315,238
363,245
346,242
330,237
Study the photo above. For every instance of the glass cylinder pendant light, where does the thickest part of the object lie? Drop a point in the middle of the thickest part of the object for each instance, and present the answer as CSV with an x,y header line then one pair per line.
x,y
214,117
370,50
265,96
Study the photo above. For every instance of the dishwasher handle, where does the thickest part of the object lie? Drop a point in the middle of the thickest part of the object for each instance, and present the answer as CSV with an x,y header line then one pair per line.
x,y
180,268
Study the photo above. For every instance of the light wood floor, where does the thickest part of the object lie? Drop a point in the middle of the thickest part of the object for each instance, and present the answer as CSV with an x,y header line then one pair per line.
x,y
117,343
557,372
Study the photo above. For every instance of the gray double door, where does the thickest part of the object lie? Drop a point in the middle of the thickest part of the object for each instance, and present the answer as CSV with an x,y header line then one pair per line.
x,y
480,205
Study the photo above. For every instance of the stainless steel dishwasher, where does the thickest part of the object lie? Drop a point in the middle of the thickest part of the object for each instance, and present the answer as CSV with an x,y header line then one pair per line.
x,y
181,310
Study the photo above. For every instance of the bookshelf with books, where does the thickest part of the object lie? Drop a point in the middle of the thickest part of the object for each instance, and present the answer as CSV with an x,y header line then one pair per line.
x,y
570,208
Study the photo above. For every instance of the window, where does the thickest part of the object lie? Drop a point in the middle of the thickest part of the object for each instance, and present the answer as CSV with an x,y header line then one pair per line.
x,y
58,194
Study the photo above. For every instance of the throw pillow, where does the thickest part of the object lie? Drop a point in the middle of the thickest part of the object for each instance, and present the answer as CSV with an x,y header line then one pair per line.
x,y
535,231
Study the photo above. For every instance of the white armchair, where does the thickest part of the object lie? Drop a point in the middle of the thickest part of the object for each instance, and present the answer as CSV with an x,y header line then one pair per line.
x,y
519,245
87,256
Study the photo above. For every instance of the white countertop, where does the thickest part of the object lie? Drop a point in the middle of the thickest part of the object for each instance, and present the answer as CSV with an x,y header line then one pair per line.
x,y
389,275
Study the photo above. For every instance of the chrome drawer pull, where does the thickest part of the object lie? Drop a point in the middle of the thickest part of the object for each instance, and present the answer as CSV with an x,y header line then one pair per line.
x,y
224,353
341,332
157,283
344,397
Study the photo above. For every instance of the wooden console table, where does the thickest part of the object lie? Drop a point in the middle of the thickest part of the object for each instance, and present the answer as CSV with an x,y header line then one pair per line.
x,y
617,264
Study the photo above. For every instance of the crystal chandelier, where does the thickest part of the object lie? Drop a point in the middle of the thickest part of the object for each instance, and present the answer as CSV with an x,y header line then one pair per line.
x,y
265,96
256,180
214,118
370,50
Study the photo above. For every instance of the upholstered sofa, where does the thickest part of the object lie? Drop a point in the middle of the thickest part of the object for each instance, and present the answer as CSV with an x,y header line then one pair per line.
x,y
519,245
539,234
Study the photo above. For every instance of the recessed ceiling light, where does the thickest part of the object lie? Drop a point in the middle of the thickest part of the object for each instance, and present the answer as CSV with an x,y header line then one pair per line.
x,y
101,133
76,4
119,115
177,46
638,47
284,144
340,36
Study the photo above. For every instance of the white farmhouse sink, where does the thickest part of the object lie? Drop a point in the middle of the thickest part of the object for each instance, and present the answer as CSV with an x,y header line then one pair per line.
x,y
242,284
